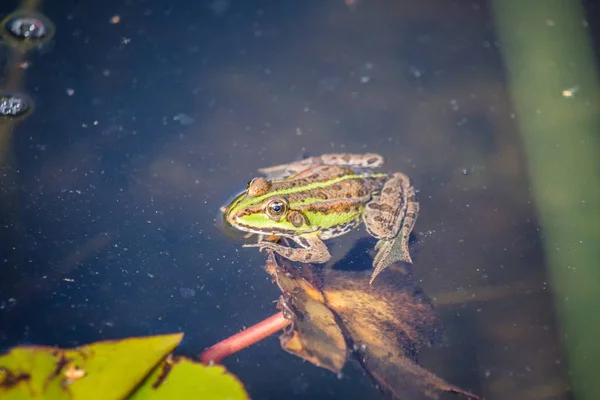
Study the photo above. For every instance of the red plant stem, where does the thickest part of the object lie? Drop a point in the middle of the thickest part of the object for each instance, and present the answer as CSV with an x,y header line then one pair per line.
x,y
233,344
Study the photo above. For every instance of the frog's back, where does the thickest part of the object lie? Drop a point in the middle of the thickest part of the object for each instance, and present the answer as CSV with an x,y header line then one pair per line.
x,y
321,184
330,196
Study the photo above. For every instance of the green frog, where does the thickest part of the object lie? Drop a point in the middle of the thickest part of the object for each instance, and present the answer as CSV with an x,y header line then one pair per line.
x,y
319,198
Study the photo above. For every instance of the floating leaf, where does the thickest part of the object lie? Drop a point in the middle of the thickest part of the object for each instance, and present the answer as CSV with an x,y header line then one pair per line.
x,y
103,370
113,370
182,378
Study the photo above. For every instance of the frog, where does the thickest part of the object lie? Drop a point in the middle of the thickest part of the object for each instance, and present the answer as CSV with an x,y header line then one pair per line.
x,y
318,198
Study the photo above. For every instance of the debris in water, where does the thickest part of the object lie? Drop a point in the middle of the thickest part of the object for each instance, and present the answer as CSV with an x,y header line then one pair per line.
x,y
184,119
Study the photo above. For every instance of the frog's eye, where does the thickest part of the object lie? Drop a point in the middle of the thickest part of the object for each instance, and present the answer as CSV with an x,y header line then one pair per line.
x,y
276,208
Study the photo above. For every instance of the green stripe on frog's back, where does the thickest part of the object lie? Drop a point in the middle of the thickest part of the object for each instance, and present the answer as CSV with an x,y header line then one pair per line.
x,y
288,187
351,188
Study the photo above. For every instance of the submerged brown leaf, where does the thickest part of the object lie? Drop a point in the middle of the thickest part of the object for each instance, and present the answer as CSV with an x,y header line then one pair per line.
x,y
384,324
314,335
388,323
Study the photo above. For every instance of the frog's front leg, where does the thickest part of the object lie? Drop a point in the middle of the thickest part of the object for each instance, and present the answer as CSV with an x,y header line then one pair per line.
x,y
312,249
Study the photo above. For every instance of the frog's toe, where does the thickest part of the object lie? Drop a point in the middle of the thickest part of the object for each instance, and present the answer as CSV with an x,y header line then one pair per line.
x,y
263,245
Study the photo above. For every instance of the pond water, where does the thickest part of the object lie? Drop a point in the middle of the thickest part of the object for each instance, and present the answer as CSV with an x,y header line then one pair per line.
x,y
149,115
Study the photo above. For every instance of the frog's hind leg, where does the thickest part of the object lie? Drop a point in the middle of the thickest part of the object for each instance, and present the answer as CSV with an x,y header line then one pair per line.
x,y
393,209
367,160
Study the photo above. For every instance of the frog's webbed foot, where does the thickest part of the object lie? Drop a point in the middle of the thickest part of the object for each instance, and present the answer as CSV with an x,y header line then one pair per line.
x,y
311,250
389,252
390,217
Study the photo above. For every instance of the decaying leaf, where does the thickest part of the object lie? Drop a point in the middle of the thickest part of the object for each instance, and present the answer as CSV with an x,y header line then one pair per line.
x,y
315,335
385,324
388,323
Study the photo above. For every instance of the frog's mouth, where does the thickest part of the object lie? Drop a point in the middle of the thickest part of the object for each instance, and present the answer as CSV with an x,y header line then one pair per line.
x,y
226,209
248,229
273,231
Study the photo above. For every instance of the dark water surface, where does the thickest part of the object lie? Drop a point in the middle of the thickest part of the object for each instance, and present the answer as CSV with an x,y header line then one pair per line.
x,y
144,128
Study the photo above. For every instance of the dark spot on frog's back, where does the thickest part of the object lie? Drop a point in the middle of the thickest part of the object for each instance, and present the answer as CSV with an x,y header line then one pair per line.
x,y
346,158
388,190
374,206
336,186
321,195
372,160
380,207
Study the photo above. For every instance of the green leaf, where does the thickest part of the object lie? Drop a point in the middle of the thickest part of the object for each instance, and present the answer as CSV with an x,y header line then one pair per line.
x,y
103,370
182,378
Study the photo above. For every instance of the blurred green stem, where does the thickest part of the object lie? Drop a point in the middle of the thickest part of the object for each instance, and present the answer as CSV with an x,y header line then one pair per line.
x,y
554,87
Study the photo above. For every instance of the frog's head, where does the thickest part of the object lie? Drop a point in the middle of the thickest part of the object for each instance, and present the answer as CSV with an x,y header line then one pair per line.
x,y
261,210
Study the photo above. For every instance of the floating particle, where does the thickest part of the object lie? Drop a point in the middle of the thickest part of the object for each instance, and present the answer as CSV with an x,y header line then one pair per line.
x,y
416,72
70,92
115,19
187,293
219,7
570,92
329,84
14,105
352,4
184,119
